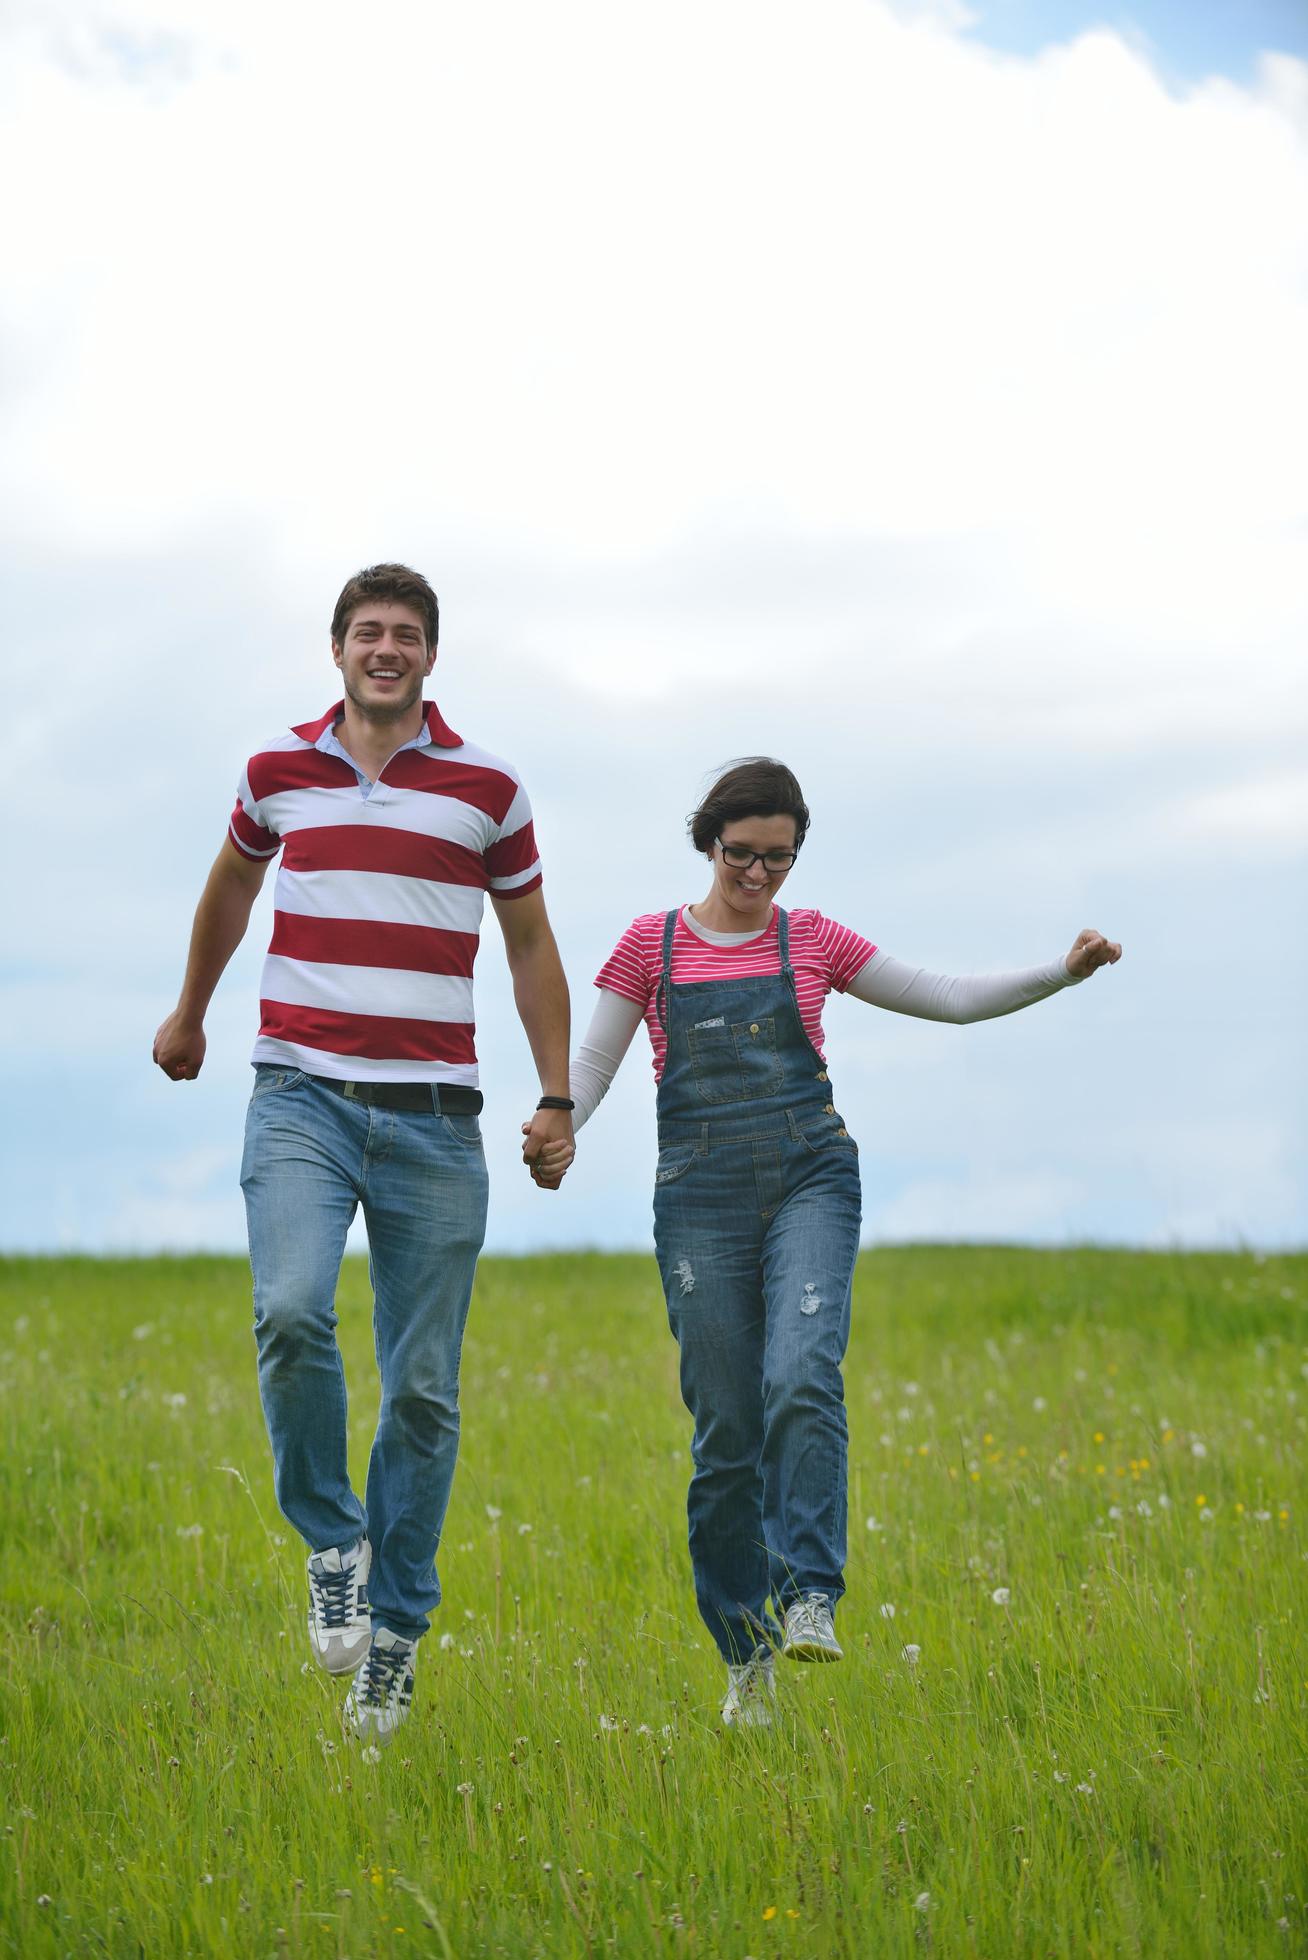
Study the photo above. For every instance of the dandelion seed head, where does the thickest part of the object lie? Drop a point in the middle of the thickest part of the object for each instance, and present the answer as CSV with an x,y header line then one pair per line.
x,y
1001,1595
922,1903
912,1653
888,1611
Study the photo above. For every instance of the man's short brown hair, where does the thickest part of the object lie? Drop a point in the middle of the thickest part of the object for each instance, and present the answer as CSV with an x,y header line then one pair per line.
x,y
398,586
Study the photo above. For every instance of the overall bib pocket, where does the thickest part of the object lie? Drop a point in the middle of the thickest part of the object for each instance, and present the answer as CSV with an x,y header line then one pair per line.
x,y
736,1062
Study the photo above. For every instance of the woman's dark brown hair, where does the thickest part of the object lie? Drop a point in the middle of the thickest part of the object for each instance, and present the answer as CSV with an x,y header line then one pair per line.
x,y
756,786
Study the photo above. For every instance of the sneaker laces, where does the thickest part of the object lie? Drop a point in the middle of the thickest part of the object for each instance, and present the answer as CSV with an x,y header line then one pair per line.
x,y
384,1669
332,1595
750,1675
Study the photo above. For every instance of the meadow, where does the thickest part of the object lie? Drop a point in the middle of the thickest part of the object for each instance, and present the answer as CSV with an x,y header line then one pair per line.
x,y
1071,1720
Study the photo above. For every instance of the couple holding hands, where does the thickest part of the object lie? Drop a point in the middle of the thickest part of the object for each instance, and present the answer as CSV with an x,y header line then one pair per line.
x,y
392,828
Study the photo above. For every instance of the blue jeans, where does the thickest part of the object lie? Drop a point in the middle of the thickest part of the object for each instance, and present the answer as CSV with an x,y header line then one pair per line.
x,y
756,1226
311,1159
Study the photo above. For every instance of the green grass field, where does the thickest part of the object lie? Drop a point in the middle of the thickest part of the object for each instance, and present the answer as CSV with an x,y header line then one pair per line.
x,y
1071,1720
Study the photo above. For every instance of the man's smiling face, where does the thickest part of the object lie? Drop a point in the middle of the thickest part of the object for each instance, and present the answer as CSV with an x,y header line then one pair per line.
x,y
384,659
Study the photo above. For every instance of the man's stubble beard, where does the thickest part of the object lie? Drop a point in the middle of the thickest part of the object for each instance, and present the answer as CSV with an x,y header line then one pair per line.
x,y
387,711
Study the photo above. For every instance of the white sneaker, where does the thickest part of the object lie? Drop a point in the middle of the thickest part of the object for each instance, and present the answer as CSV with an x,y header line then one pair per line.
x,y
339,1626
751,1693
809,1633
382,1691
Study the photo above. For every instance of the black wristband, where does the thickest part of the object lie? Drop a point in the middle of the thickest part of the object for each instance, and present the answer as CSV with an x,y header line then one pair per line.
x,y
556,1102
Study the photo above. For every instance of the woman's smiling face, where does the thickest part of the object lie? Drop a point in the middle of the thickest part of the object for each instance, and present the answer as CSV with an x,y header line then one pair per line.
x,y
749,892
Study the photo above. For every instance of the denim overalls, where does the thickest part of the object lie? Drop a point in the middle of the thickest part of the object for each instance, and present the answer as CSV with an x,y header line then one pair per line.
x,y
756,1222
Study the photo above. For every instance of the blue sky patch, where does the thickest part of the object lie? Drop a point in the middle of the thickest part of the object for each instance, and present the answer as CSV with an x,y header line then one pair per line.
x,y
1189,41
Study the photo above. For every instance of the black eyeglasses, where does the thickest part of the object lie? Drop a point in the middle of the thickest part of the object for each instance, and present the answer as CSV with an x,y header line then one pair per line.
x,y
740,858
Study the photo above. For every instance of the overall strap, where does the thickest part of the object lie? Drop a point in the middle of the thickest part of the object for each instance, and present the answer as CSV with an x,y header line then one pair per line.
x,y
787,970
665,977
783,944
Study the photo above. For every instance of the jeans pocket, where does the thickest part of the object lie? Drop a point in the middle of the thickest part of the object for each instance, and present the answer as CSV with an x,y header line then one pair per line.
x,y
269,1080
675,1159
466,1128
823,1134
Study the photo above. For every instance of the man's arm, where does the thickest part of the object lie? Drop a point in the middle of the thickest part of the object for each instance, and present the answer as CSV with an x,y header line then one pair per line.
x,y
220,921
540,993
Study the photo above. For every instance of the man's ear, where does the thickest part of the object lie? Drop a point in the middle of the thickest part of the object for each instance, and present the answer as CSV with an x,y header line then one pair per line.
x,y
338,653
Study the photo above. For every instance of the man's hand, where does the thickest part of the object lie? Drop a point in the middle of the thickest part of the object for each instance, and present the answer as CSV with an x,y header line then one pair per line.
x,y
220,921
1090,951
548,1147
179,1048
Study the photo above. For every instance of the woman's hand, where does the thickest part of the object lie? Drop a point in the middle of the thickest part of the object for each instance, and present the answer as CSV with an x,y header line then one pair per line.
x,y
548,1147
1090,950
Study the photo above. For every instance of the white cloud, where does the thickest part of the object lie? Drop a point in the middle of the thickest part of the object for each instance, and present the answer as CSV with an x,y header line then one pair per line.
x,y
1270,811
750,379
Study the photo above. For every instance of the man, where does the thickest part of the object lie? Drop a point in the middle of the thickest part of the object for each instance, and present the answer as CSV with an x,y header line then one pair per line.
x,y
391,829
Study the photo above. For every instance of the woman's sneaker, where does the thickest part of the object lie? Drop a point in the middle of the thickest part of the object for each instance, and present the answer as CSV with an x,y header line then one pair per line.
x,y
751,1693
339,1626
382,1691
809,1633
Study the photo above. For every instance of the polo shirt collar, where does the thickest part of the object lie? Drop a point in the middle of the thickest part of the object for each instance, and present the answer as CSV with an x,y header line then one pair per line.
x,y
435,728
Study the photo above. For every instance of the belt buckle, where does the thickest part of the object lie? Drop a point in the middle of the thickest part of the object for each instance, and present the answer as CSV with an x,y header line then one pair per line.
x,y
356,1092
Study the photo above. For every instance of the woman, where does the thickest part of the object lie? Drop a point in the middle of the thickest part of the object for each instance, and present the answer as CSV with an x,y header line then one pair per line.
x,y
757,1204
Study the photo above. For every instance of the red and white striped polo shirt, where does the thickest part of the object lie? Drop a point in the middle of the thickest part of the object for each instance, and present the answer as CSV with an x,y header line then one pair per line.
x,y
379,898
825,956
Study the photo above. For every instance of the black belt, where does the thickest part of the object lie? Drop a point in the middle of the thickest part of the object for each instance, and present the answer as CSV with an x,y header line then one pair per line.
x,y
437,1098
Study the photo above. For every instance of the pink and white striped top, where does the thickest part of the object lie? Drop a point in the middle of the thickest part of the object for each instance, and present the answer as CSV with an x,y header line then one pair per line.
x,y
825,956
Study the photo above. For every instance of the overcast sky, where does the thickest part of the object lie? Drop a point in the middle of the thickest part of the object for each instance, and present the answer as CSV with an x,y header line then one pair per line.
x,y
915,392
